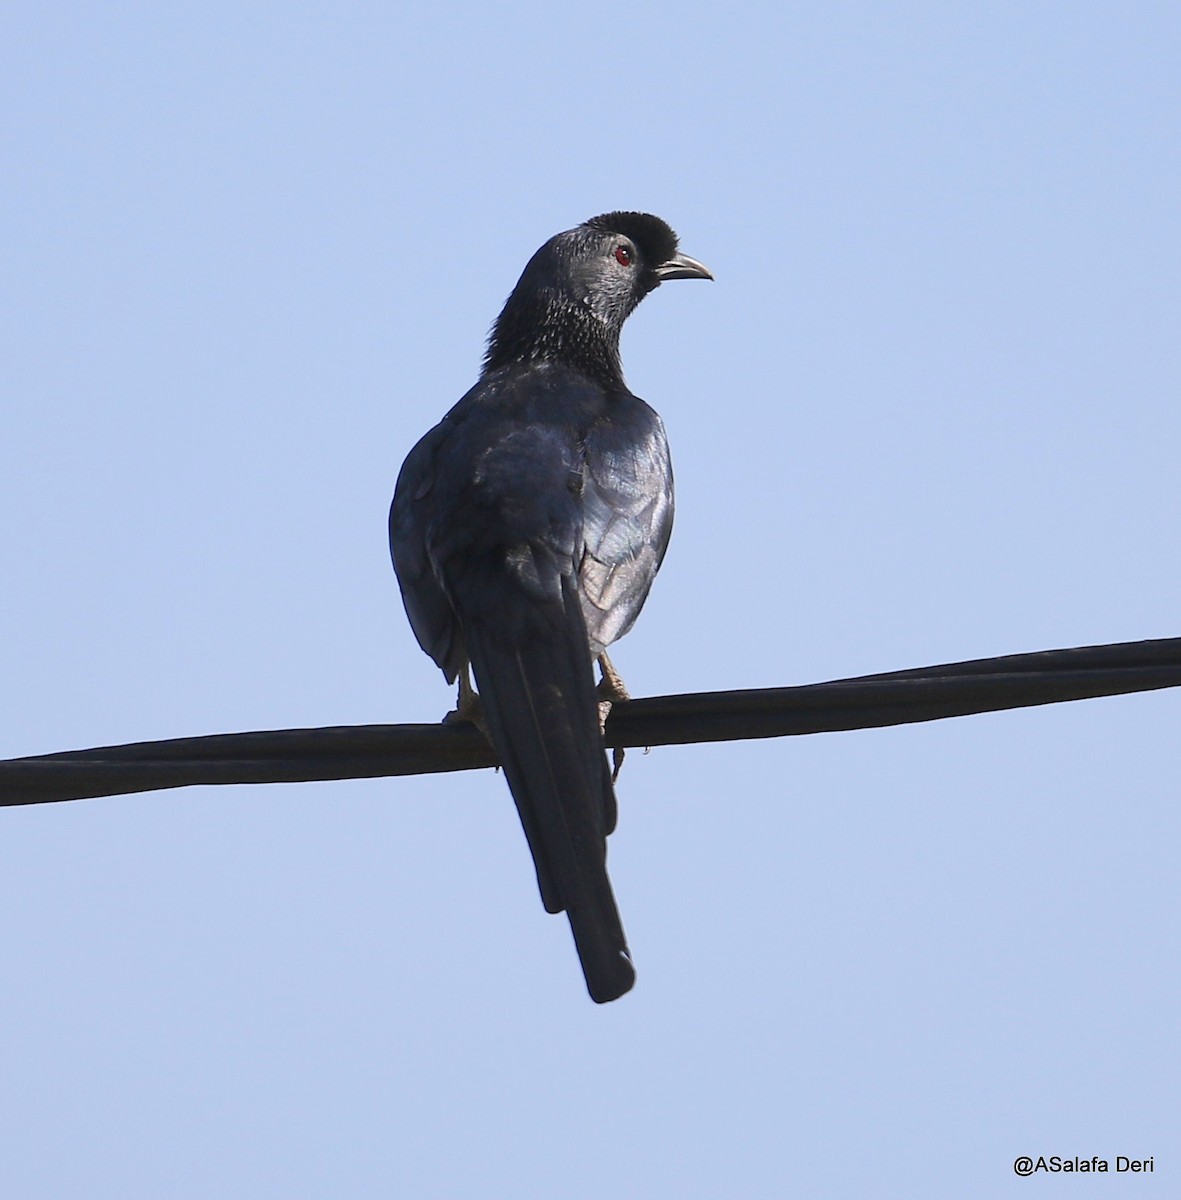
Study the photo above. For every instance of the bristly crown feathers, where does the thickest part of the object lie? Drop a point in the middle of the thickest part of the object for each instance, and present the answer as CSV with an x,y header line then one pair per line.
x,y
576,292
654,237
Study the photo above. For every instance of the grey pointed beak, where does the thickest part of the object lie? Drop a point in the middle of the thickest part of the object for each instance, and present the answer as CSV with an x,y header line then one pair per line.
x,y
681,266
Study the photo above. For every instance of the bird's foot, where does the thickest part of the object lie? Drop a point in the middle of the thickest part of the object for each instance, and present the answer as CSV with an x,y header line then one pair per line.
x,y
611,686
468,706
611,691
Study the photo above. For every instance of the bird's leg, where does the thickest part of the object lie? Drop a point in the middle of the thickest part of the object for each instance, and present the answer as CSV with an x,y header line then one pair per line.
x,y
468,705
611,691
611,686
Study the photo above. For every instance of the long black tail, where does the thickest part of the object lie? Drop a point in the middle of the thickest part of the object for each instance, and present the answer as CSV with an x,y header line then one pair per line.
x,y
542,712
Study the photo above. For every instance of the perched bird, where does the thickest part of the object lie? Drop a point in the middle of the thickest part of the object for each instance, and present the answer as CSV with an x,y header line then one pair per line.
x,y
526,530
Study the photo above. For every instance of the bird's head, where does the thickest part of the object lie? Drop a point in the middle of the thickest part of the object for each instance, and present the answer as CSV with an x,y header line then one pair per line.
x,y
578,289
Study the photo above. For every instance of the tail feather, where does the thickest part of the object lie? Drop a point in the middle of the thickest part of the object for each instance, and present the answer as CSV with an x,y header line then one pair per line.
x,y
540,704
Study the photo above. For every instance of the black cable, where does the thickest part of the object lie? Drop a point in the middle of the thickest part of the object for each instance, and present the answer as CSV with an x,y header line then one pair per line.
x,y
369,751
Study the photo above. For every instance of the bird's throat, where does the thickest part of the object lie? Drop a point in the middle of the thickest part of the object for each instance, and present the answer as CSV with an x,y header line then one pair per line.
x,y
555,329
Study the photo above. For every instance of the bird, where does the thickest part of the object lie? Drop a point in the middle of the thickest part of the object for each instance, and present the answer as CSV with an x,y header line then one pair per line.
x,y
526,529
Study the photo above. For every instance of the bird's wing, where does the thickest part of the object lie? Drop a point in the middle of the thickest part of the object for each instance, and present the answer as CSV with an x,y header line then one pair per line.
x,y
415,500
627,519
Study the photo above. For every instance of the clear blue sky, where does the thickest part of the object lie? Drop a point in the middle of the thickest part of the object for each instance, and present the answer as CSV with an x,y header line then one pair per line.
x,y
928,411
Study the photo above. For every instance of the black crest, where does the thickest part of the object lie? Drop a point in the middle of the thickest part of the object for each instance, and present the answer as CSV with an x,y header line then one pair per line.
x,y
654,237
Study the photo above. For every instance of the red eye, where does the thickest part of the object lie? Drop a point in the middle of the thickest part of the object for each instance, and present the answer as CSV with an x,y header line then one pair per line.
x,y
623,256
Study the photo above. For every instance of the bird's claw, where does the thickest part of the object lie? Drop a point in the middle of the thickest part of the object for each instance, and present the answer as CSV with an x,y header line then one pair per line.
x,y
618,753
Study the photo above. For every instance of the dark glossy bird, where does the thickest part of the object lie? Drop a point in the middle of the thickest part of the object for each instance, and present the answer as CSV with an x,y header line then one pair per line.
x,y
526,530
